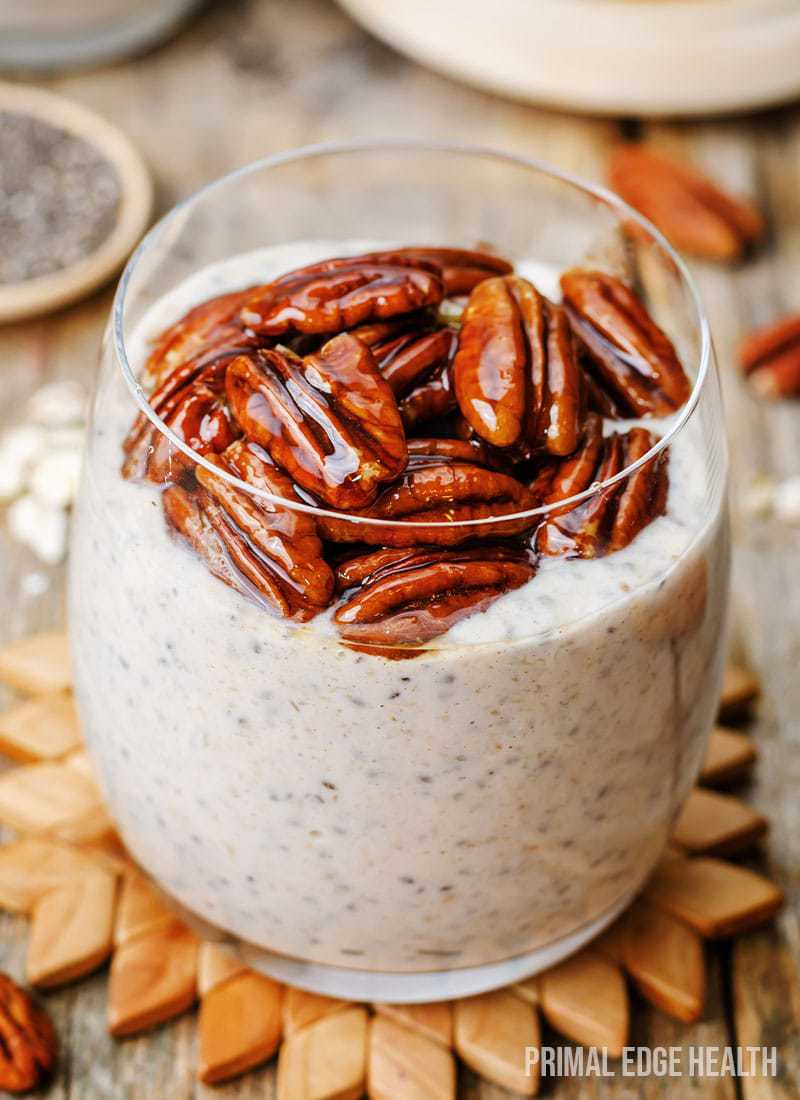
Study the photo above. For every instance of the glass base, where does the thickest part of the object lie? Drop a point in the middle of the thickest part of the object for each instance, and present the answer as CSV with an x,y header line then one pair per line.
x,y
415,988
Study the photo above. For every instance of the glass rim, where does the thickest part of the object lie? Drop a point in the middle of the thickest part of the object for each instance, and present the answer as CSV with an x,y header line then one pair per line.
x,y
482,152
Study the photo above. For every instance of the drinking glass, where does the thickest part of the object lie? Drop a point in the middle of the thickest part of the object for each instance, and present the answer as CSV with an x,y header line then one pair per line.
x,y
360,825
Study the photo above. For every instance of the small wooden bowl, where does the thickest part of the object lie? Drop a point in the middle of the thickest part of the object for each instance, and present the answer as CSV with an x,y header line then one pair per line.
x,y
46,293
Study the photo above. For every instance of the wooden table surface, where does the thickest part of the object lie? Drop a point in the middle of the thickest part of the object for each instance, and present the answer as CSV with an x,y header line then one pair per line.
x,y
250,78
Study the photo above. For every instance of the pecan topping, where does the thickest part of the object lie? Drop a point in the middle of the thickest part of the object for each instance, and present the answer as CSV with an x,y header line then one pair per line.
x,y
408,598
632,358
441,492
770,357
517,378
355,571
329,420
187,518
431,400
270,554
406,360
210,327
459,269
459,450
644,492
329,299
692,211
417,366
27,1040
271,539
191,401
561,480
598,399
355,384
611,518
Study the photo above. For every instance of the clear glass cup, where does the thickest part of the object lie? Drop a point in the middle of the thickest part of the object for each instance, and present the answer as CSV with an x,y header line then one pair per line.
x,y
359,825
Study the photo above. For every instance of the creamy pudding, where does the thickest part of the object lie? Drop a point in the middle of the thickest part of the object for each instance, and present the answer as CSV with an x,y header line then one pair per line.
x,y
512,782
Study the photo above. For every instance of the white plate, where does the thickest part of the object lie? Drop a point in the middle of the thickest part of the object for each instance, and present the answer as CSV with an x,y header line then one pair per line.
x,y
652,57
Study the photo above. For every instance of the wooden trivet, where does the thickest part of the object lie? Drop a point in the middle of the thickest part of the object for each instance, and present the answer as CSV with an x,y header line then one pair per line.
x,y
87,902
46,293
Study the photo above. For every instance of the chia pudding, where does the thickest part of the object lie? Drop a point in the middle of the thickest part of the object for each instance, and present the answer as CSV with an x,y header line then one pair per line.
x,y
512,782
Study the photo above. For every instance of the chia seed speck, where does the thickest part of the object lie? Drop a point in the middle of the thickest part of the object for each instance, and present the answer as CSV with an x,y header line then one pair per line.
x,y
59,198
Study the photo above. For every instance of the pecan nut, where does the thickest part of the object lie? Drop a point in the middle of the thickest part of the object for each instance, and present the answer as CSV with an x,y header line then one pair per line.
x,y
458,450
517,378
611,518
631,357
329,420
28,1045
770,357
210,327
459,269
406,598
442,492
191,401
339,295
417,366
270,553
692,211
559,480
282,541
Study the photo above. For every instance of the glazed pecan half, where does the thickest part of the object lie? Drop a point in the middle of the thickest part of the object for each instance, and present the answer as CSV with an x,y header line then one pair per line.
x,y
630,356
28,1045
417,366
770,357
611,518
560,479
692,211
341,294
517,378
458,450
460,269
211,327
191,400
406,598
270,553
439,491
329,420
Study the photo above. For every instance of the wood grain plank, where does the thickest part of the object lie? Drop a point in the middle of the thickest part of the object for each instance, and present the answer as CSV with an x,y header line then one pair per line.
x,y
762,155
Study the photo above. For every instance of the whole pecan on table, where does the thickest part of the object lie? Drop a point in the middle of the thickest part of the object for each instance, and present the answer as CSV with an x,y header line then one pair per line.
x,y
770,357
612,517
329,420
628,355
409,597
517,378
28,1045
693,212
